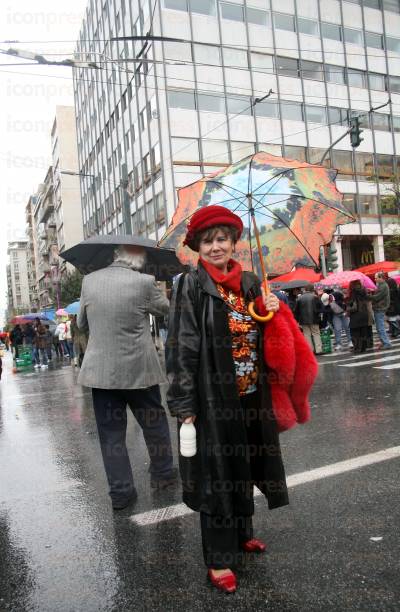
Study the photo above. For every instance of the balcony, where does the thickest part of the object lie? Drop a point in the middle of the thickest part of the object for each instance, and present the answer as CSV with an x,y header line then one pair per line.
x,y
44,266
46,209
52,222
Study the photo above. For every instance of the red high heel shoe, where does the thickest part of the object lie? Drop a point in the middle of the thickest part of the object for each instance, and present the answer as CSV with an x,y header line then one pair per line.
x,y
224,582
254,546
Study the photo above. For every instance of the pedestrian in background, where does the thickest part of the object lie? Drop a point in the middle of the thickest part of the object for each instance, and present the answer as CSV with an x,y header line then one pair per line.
x,y
393,312
121,366
219,384
57,344
49,342
79,338
340,320
39,345
60,333
358,310
380,304
16,337
69,339
307,312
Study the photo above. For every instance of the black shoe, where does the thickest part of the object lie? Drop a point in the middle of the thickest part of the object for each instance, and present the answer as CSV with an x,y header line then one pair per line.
x,y
120,504
164,481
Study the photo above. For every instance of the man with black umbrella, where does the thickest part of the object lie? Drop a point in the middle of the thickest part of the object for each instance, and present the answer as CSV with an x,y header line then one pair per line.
x,y
122,367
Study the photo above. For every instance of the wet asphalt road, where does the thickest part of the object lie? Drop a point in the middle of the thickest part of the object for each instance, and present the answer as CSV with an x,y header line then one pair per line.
x,y
63,549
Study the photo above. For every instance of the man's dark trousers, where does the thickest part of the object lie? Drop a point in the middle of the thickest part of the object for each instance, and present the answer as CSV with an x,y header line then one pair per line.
x,y
111,418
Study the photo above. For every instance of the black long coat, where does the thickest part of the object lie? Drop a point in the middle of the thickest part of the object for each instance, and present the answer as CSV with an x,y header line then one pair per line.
x,y
201,371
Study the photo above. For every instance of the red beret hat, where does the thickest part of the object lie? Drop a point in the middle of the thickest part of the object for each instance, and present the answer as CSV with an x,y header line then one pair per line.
x,y
210,216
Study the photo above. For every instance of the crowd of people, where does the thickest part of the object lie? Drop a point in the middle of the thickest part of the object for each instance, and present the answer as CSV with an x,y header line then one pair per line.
x,y
350,314
65,341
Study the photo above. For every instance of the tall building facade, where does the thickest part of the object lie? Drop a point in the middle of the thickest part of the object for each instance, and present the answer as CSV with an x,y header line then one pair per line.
x,y
17,277
148,127
67,208
32,250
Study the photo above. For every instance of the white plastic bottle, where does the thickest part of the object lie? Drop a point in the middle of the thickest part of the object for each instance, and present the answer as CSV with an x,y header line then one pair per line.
x,y
187,436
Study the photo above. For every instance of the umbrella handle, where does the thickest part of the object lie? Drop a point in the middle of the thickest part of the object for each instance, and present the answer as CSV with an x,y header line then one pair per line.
x,y
256,317
252,312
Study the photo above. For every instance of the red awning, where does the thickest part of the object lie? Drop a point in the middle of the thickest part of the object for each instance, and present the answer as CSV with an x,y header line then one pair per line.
x,y
379,266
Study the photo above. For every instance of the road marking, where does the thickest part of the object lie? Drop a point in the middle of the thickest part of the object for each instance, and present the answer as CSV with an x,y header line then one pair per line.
x,y
379,360
362,356
160,515
392,366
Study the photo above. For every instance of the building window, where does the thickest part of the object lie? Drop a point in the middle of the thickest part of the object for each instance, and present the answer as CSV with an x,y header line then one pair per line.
x,y
284,22
396,123
204,7
150,216
215,151
312,70
235,58
394,83
364,164
267,109
206,54
356,78
307,26
374,40
239,105
343,162
350,203
377,81
234,12
262,62
160,209
368,205
331,30
298,153
391,5
393,44
315,155
372,4
257,16
181,99
384,164
338,116
127,141
315,114
335,74
211,103
292,111
176,5
185,149
381,122
353,36
287,66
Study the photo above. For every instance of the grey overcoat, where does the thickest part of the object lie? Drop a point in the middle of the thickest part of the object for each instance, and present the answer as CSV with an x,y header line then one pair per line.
x,y
115,306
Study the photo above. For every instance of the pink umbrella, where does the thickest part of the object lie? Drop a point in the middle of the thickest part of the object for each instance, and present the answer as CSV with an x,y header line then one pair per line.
x,y
61,312
396,277
343,279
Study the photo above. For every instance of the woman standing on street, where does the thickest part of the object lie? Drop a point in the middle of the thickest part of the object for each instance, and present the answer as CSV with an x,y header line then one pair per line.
x,y
393,312
218,381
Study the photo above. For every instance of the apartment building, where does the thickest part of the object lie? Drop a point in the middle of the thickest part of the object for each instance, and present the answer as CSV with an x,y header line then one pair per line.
x,y
32,250
190,106
17,277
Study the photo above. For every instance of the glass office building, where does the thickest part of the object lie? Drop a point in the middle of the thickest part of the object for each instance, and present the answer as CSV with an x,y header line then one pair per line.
x,y
158,114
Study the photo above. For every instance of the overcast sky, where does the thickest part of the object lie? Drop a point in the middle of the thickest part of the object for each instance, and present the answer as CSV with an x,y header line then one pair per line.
x,y
28,97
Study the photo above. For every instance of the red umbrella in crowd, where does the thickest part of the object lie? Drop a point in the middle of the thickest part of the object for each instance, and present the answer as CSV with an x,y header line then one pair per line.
x,y
379,266
306,275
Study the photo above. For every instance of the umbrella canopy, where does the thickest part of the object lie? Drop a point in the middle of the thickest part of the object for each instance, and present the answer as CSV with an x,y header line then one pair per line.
x,y
343,279
296,207
295,284
73,308
396,278
306,275
98,252
61,312
379,266
29,318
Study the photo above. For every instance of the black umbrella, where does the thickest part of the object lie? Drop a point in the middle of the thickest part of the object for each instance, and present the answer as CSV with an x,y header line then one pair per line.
x,y
294,284
98,252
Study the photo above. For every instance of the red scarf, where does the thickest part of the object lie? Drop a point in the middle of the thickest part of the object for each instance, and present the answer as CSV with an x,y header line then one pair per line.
x,y
230,281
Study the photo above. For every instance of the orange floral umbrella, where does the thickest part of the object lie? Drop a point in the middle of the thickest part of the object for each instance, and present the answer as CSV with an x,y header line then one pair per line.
x,y
293,206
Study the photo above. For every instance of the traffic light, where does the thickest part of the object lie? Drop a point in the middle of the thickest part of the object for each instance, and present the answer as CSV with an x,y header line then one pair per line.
x,y
355,132
332,259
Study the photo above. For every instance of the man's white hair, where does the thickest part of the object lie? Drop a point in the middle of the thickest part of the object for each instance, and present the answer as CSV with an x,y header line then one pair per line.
x,y
135,261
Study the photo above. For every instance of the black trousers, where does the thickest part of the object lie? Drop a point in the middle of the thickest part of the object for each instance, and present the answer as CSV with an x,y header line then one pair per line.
x,y
111,418
359,338
223,536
